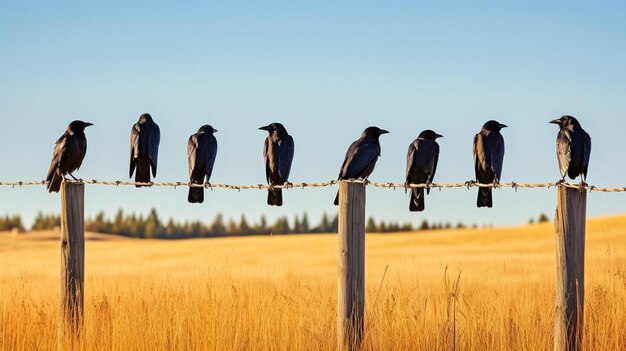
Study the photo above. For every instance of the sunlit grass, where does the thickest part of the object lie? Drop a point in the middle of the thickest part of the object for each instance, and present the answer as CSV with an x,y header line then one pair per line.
x,y
475,289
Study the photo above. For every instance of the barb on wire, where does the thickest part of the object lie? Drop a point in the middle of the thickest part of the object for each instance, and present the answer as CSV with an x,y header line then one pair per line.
x,y
386,185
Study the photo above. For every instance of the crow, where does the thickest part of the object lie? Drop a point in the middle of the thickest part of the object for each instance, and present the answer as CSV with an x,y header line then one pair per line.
x,y
573,148
421,165
68,155
278,152
361,156
201,151
144,149
488,159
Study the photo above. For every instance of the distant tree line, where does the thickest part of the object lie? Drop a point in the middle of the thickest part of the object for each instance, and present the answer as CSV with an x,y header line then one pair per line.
x,y
11,222
152,226
543,218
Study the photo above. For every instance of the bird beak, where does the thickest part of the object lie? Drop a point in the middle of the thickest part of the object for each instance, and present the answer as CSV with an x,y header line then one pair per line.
x,y
214,130
556,121
268,128
382,131
502,126
87,124
438,136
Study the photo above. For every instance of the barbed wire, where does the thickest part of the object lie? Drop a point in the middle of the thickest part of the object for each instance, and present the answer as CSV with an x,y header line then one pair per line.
x,y
440,186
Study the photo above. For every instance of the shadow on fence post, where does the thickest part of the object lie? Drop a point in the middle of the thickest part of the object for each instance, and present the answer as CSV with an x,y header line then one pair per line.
x,y
72,264
570,268
351,264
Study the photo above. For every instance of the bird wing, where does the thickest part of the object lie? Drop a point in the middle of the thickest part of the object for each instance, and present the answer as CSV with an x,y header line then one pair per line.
x,y
192,151
586,152
410,155
154,138
57,154
79,150
266,158
285,156
480,162
360,156
134,147
435,161
210,155
83,152
497,154
563,152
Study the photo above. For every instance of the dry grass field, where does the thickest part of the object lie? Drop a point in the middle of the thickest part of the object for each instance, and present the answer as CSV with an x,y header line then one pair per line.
x,y
279,292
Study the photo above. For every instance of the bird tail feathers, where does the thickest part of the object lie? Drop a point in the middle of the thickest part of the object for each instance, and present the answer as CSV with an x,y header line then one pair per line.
x,y
54,183
417,200
275,197
484,197
196,195
142,175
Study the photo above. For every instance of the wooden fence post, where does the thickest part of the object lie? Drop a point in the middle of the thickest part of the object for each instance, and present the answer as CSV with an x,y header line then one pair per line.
x,y
72,263
351,263
570,268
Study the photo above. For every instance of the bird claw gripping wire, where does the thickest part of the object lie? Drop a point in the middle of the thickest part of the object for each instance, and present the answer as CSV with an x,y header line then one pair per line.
x,y
288,185
470,183
208,185
582,186
406,186
560,182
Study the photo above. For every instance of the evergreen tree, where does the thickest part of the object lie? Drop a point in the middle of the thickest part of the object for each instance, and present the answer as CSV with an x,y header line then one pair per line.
x,y
218,228
324,224
305,223
543,218
297,227
424,225
244,228
281,226
371,226
152,226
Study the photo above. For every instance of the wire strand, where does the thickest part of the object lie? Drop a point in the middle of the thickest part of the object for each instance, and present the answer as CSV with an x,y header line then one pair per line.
x,y
440,186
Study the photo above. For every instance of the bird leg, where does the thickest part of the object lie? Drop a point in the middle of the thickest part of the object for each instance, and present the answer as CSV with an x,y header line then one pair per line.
x,y
582,185
75,179
470,183
428,186
406,186
560,182
288,185
208,185
496,183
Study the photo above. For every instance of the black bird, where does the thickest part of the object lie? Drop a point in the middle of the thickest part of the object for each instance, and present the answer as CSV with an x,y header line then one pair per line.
x,y
201,151
573,148
277,155
488,159
68,155
361,156
421,165
144,149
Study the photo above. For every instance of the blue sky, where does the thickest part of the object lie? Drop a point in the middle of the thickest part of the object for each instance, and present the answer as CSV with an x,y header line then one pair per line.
x,y
326,70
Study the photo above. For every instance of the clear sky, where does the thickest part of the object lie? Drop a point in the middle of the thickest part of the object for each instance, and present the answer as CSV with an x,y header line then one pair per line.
x,y
326,70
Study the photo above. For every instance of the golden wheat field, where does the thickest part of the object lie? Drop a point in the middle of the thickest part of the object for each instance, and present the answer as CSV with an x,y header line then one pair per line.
x,y
279,292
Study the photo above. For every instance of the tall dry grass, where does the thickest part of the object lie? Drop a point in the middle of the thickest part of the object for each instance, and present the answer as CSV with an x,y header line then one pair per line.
x,y
469,290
